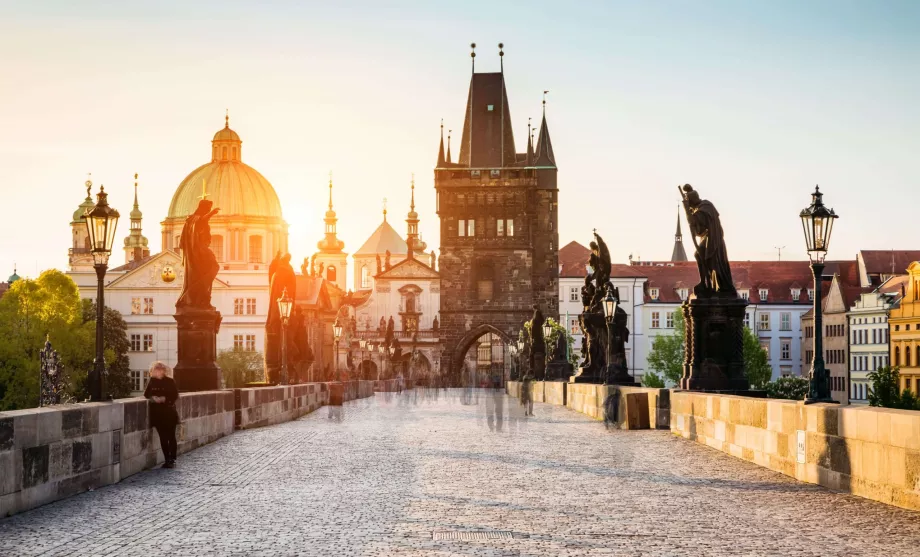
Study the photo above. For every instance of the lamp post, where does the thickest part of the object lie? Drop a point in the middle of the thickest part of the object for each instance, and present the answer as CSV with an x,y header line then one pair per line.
x,y
391,350
101,222
817,222
285,303
336,334
610,310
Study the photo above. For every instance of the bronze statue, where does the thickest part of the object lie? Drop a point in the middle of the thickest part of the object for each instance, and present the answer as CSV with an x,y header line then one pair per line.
x,y
709,239
435,324
536,331
281,276
319,272
199,261
305,267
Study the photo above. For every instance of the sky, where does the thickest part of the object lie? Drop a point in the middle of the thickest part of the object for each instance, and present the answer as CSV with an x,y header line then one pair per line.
x,y
751,102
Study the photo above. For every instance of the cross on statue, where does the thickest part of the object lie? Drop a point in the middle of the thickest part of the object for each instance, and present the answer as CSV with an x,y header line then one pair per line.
x,y
204,190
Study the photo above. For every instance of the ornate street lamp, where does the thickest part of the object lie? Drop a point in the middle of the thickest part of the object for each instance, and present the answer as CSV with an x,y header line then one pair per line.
x,y
817,223
610,310
285,303
362,343
101,222
336,334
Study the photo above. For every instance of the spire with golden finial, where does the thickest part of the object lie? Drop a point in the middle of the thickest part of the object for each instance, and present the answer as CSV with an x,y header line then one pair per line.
x,y
227,118
448,145
331,243
413,240
384,209
136,245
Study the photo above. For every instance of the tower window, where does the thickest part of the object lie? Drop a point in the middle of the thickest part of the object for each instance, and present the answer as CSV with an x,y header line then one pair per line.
x,y
330,273
217,246
490,107
223,153
461,228
365,277
485,281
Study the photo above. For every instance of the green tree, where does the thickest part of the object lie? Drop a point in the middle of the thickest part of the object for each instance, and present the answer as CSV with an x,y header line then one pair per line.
x,y
115,345
652,380
240,367
789,388
884,390
559,329
757,367
667,354
31,311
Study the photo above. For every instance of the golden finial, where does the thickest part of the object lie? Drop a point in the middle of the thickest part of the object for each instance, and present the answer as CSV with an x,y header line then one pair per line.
x,y
412,203
88,183
227,118
330,190
135,190
544,102
384,209
204,190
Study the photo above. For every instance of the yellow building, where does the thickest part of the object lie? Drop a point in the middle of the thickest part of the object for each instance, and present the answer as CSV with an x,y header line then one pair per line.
x,y
904,329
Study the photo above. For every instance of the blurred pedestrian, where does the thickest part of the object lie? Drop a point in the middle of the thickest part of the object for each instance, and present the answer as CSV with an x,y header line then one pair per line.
x,y
162,393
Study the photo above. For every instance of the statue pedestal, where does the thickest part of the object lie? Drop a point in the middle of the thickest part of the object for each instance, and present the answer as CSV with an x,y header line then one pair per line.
x,y
617,374
714,358
586,375
539,366
272,356
197,368
558,370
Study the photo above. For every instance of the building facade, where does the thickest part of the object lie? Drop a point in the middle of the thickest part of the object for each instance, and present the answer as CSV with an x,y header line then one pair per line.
x,y
499,227
246,232
869,347
904,331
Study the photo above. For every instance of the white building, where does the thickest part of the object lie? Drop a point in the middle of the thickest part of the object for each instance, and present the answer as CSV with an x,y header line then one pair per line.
x,y
774,289
245,233
869,347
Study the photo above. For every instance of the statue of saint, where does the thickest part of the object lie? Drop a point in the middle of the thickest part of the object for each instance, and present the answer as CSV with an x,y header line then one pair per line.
x,y
199,261
379,268
386,264
435,324
281,277
305,267
319,271
709,239
536,331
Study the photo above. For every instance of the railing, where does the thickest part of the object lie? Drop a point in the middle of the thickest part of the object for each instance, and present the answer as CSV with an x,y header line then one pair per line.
x,y
402,335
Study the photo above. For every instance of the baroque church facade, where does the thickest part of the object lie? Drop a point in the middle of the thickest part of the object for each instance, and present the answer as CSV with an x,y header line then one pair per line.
x,y
245,233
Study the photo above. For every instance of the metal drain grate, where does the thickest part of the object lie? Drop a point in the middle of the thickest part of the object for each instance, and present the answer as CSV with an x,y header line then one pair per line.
x,y
471,536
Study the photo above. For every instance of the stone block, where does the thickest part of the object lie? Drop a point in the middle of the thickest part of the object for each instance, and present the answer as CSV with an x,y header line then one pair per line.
x,y
735,451
101,449
49,426
9,504
872,469
759,414
72,423
816,449
734,411
826,417
82,455
7,434
9,480
867,425
35,466
61,455
884,427
774,416
905,429
38,495
847,422
896,458
91,418
789,414
79,483
840,455
912,469
25,426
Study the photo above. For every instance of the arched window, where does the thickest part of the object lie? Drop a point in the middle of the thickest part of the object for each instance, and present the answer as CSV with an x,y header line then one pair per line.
x,y
897,355
365,277
330,273
255,249
234,154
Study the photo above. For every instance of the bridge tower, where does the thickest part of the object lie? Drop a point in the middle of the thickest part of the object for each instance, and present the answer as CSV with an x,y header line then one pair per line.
x,y
499,227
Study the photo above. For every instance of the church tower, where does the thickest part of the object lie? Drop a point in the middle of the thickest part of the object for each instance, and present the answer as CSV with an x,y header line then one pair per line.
x,y
136,247
79,256
678,254
499,226
330,254
413,240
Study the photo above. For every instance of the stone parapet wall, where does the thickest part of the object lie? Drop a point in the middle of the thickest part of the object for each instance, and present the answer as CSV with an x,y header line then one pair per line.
x,y
385,386
870,452
262,406
638,408
51,453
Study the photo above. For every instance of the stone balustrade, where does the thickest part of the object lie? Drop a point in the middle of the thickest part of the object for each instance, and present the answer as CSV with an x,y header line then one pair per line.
x,y
870,452
51,453
638,408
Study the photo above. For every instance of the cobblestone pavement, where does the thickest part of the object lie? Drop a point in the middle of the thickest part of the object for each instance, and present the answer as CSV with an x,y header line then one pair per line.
x,y
447,473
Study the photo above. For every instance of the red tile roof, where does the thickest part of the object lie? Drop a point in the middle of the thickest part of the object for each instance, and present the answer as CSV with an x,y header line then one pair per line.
x,y
777,277
888,262
572,259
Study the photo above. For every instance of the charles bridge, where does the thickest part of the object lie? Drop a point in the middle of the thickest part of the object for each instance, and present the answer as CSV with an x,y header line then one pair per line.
x,y
275,471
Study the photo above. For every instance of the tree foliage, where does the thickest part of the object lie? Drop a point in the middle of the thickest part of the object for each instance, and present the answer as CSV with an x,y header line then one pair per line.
x,y
884,390
239,367
789,388
559,329
757,367
50,307
652,380
667,354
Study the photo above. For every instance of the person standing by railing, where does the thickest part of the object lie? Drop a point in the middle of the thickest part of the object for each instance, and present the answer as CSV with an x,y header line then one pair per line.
x,y
162,393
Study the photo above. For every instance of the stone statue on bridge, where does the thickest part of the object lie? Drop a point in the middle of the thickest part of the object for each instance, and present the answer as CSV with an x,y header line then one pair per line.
x,y
280,277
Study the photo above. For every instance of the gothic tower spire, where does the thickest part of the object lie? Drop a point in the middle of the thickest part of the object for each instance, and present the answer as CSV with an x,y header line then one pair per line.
x,y
331,243
678,254
441,148
136,247
412,237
